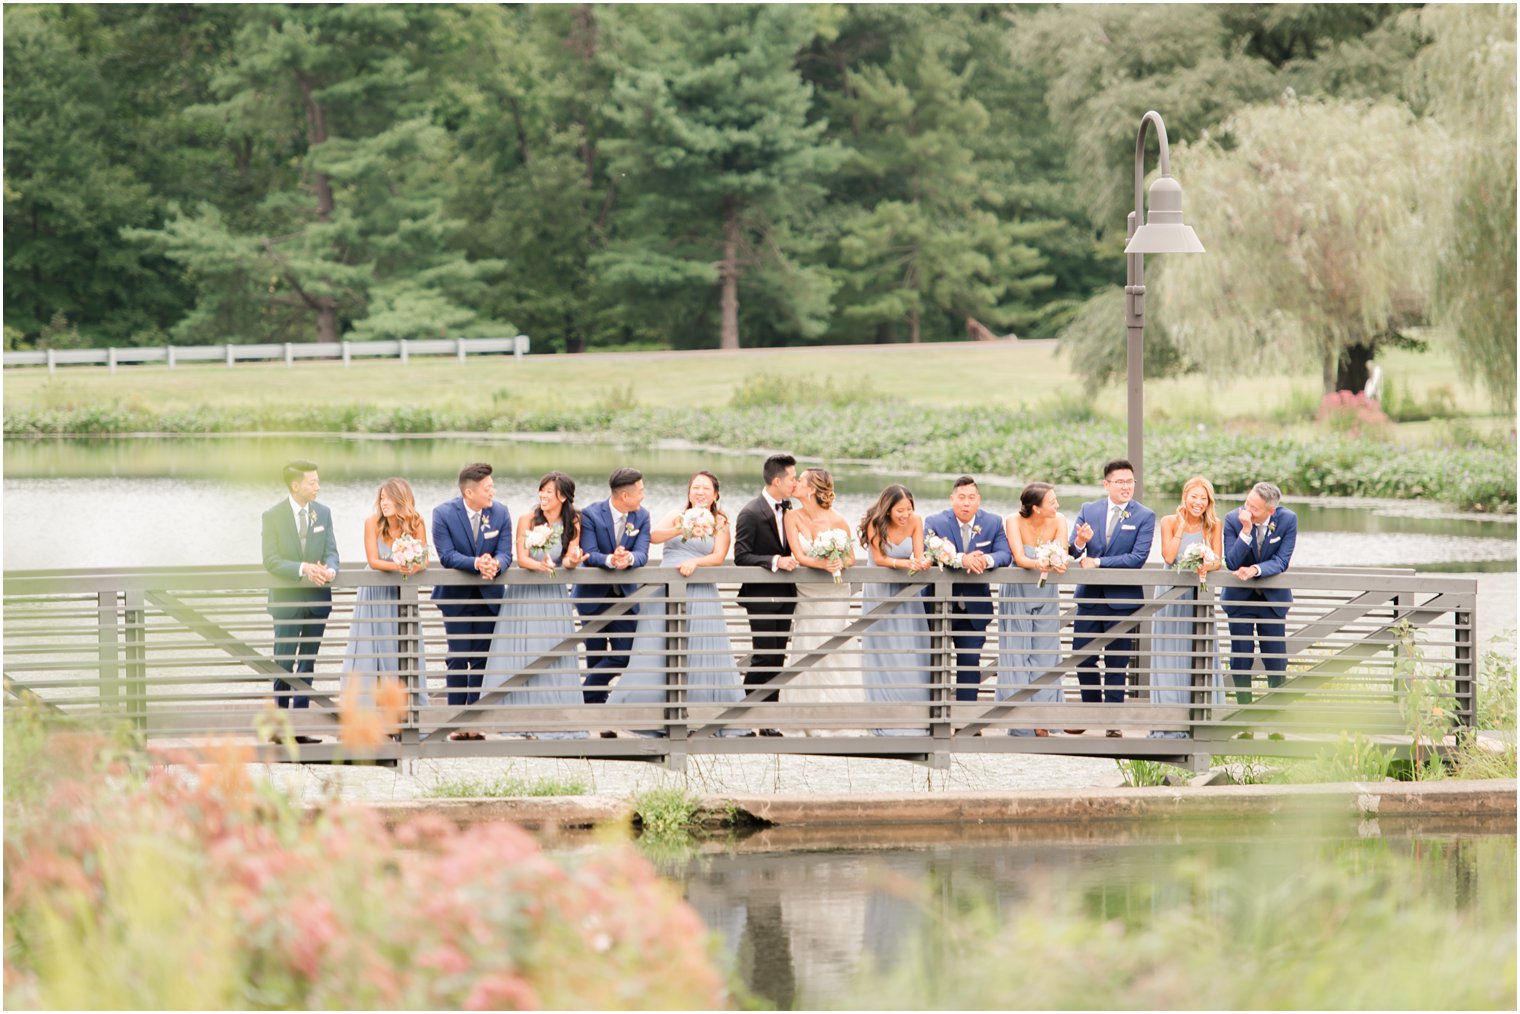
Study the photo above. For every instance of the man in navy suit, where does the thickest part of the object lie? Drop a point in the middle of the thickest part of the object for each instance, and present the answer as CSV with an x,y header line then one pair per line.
x,y
472,533
1258,542
614,536
1115,531
978,536
299,545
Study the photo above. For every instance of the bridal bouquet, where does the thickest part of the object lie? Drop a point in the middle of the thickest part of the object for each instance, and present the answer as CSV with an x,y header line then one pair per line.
x,y
1195,556
833,544
409,552
941,551
697,523
1049,554
539,540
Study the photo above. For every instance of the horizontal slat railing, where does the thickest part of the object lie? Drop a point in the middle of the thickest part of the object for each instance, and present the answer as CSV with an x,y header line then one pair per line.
x,y
185,654
401,349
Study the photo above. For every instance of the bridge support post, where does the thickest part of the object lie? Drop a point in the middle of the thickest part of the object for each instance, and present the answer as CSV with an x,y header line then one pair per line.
x,y
677,672
409,648
942,693
108,639
135,653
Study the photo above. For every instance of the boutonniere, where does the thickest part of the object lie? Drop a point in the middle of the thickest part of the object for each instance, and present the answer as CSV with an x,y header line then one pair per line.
x,y
1271,527
976,529
1124,515
628,529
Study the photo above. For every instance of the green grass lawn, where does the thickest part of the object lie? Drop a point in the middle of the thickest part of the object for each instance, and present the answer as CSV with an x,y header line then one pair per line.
x,y
1006,374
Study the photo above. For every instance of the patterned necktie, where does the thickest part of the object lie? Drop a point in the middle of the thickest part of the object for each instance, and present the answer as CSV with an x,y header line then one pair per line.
x,y
1261,537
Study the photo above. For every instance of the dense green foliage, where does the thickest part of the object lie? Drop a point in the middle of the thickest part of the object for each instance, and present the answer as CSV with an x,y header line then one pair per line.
x,y
1293,925
1060,447
682,176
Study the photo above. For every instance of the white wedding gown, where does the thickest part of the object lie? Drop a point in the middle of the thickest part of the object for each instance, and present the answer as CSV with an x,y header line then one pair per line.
x,y
821,613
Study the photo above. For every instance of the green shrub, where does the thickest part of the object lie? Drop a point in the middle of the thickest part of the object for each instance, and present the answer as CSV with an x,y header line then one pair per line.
x,y
1217,939
668,810
1351,759
506,786
1496,691
1142,773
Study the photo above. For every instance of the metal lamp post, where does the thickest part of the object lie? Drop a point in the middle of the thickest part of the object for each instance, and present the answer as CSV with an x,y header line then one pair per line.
x,y
1163,232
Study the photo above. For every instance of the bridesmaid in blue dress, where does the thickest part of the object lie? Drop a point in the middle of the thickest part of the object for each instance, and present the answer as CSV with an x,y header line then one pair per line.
x,y
711,675
374,637
1174,650
896,650
1029,617
536,618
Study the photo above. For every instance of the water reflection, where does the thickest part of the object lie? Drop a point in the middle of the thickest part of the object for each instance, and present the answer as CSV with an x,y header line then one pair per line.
x,y
801,923
181,502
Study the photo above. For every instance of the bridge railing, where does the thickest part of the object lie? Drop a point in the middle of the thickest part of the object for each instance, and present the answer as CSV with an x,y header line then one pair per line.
x,y
873,667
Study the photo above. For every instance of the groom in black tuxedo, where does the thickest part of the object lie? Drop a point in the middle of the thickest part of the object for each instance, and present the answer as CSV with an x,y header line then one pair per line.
x,y
760,541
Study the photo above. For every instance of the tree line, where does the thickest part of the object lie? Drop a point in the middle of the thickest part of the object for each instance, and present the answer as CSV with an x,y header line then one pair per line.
x,y
727,175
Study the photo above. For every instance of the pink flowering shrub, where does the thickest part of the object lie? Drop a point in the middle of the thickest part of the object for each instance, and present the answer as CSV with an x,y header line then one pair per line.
x,y
1353,413
195,888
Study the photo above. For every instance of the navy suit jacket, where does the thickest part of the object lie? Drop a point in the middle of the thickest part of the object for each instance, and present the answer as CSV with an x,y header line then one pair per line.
x,y
1276,553
990,540
599,541
283,557
1129,549
457,550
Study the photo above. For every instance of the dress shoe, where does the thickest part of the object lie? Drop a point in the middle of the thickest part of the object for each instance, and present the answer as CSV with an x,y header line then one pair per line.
x,y
770,732
1113,734
608,734
279,740
464,736
1042,732
1073,732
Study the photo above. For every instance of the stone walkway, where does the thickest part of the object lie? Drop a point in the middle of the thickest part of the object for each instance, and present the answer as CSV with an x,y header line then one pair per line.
x,y
707,775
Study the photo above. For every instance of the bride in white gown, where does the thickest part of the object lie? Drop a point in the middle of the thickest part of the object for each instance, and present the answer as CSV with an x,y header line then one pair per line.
x,y
822,608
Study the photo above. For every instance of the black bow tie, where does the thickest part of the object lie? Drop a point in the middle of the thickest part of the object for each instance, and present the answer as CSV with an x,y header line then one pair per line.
x,y
784,505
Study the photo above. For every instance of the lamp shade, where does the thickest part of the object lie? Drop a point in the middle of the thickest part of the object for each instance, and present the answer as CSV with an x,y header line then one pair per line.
x,y
1164,231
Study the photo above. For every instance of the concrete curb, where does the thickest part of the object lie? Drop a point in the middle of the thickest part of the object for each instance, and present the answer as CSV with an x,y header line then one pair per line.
x,y
1357,800
1379,799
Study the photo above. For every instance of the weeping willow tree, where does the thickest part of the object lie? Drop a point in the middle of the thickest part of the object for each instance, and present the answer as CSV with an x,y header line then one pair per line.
x,y
1313,214
1467,75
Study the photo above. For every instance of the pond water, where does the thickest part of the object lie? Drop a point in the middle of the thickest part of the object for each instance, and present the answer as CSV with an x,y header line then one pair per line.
x,y
802,916
188,501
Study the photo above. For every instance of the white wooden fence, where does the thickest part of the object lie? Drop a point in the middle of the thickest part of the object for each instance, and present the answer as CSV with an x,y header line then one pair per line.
x,y
402,349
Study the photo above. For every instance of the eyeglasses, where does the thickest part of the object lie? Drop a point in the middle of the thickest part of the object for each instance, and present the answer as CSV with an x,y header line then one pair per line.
x,y
1121,482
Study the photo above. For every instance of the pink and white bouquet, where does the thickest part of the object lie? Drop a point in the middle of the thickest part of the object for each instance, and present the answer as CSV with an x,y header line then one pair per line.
x,y
697,523
410,552
941,551
539,540
1195,556
834,544
1049,554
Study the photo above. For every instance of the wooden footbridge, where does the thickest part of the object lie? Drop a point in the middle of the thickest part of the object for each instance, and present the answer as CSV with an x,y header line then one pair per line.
x,y
185,656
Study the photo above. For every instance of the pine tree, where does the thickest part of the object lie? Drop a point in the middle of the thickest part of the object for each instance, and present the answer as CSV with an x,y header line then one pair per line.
x,y
715,158
930,242
354,235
